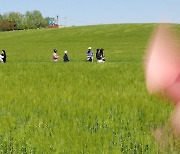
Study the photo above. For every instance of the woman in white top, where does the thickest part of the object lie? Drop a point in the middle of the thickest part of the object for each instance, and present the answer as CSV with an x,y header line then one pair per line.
x,y
55,56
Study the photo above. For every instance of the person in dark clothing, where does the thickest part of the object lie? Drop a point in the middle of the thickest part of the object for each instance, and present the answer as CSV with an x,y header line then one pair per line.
x,y
100,55
3,56
65,57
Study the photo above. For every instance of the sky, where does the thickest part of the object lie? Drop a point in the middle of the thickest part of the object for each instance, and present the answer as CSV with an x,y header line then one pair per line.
x,y
90,12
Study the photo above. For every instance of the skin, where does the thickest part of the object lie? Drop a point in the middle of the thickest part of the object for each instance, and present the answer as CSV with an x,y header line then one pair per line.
x,y
162,69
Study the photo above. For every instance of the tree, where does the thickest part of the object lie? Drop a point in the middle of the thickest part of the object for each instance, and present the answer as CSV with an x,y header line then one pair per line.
x,y
29,20
6,25
35,19
47,19
17,18
39,21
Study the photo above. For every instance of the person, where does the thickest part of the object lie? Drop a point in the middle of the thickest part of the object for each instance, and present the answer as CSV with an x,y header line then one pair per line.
x,y
3,56
100,55
55,56
89,55
65,57
97,54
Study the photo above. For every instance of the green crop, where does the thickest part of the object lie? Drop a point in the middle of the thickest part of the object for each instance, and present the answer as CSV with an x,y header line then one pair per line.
x,y
80,107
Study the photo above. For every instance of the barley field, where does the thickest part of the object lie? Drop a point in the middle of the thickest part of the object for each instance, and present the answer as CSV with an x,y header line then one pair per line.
x,y
80,107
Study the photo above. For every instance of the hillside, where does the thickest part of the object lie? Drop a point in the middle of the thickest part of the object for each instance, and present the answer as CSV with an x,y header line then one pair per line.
x,y
119,41
79,107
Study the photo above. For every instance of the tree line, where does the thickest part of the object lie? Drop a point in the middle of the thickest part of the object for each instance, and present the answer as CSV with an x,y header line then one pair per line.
x,y
17,21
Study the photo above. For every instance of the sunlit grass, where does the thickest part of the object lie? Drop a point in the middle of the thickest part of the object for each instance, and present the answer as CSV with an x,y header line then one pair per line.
x,y
78,107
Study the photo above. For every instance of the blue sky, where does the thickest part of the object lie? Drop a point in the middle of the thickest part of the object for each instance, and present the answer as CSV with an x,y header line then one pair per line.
x,y
85,12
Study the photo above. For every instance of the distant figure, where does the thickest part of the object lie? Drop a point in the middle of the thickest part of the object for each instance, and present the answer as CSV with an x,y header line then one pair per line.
x,y
55,56
3,56
100,55
89,55
65,57
97,54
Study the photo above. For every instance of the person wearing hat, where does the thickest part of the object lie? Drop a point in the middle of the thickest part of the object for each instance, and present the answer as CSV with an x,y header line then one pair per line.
x,y
55,56
3,56
89,55
65,57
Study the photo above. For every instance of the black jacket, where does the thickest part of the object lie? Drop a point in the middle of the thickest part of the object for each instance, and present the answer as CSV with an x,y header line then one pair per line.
x,y
65,57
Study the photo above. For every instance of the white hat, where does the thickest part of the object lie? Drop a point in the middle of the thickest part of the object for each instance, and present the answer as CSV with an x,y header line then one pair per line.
x,y
89,48
65,51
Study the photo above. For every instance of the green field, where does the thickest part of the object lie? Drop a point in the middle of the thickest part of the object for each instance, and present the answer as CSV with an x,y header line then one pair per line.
x,y
79,107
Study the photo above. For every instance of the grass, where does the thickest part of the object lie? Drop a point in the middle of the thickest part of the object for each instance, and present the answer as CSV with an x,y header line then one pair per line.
x,y
79,107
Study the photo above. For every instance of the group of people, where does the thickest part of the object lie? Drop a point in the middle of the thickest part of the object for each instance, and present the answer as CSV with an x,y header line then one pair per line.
x,y
3,56
55,56
99,55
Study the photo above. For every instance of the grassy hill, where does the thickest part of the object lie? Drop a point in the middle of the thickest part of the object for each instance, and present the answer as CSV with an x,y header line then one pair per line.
x,y
78,107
